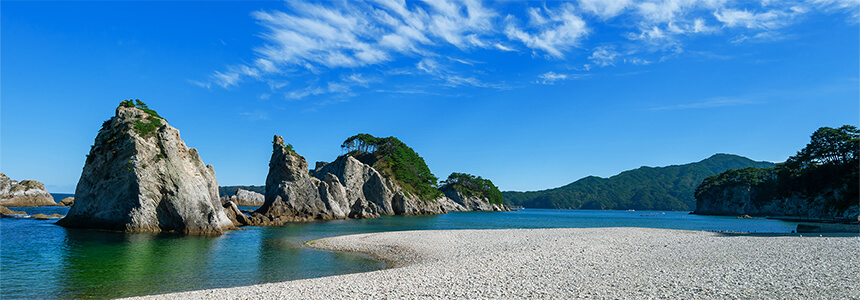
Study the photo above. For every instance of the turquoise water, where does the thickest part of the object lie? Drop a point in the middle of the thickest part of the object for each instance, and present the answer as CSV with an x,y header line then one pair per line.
x,y
41,260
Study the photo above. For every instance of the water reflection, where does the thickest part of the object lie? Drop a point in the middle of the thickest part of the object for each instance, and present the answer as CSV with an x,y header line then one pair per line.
x,y
42,260
98,264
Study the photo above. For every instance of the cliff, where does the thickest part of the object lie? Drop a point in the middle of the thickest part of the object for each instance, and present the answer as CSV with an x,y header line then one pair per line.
x,y
373,193
745,199
23,193
472,193
469,203
293,195
819,182
140,176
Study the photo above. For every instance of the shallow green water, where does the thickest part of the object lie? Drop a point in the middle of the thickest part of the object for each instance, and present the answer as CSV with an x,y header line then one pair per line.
x,y
41,260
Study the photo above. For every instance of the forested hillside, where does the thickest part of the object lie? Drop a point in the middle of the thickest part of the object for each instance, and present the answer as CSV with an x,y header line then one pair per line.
x,y
645,188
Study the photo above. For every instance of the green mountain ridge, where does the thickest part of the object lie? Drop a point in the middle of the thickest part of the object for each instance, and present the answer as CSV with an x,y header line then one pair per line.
x,y
645,188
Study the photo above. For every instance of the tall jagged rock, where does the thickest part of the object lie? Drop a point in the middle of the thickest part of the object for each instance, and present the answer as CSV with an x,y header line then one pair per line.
x,y
140,176
293,195
23,193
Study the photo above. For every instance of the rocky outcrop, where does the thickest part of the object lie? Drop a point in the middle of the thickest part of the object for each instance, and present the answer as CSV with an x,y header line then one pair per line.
x,y
235,215
24,193
345,188
744,199
46,217
245,198
370,193
68,201
293,195
140,176
8,213
473,203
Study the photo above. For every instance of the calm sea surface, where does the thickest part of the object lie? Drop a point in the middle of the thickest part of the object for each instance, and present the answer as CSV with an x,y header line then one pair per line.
x,y
41,260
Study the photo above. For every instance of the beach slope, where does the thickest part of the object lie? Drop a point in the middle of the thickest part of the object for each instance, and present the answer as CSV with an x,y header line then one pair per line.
x,y
577,262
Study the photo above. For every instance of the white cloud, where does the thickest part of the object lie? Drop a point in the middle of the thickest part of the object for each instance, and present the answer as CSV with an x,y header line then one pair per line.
x,y
605,9
345,43
743,18
553,31
504,48
709,103
302,93
551,77
256,115
604,56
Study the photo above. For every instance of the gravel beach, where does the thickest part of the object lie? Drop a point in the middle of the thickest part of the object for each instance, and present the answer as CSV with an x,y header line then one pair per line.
x,y
631,263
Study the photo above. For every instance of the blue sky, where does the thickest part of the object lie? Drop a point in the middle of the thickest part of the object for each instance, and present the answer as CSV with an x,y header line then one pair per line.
x,y
529,94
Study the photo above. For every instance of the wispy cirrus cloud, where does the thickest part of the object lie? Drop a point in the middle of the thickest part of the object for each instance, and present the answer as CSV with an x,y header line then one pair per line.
x,y
708,103
372,40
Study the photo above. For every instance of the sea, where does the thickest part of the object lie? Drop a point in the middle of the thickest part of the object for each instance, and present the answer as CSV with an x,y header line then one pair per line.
x,y
39,259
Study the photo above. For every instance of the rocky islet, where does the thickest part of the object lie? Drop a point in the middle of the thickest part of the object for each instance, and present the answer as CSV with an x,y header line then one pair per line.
x,y
140,176
24,193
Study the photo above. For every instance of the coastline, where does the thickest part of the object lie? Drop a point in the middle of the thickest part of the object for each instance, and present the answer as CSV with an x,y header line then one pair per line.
x,y
575,262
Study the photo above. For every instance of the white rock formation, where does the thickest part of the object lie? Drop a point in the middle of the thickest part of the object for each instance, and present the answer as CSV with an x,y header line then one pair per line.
x,y
24,193
135,180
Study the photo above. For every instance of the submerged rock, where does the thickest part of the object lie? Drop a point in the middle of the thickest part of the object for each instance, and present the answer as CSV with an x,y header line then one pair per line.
x,y
7,213
24,193
140,176
46,217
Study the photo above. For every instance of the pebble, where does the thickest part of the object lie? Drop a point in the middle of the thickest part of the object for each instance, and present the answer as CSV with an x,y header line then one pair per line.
x,y
629,263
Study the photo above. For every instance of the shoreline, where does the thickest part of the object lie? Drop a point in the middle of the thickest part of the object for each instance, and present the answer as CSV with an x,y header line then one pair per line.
x,y
575,262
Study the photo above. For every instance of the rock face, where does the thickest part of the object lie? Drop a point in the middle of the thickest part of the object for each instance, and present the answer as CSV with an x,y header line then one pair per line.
x,y
370,193
741,200
235,215
345,188
473,203
68,201
293,195
140,176
245,198
24,193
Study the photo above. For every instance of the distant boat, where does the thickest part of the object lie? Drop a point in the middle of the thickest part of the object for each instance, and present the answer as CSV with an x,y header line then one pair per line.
x,y
631,210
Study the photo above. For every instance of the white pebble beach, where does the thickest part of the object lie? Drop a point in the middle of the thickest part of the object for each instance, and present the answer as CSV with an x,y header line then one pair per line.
x,y
624,263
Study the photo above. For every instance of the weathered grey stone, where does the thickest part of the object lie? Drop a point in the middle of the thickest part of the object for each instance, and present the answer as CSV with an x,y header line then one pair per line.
x,y
244,198
145,183
363,182
291,194
24,193
738,200
235,215
473,203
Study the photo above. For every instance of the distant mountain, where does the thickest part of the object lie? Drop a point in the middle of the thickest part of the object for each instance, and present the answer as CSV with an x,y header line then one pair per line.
x,y
645,188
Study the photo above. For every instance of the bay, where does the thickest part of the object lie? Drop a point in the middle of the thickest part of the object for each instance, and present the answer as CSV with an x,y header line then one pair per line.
x,y
41,260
